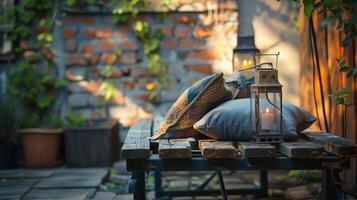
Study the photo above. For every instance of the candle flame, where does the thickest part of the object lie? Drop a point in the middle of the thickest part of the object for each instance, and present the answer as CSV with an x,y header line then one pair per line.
x,y
267,110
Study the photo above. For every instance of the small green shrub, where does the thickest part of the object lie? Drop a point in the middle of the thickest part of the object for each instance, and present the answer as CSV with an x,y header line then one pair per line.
x,y
75,119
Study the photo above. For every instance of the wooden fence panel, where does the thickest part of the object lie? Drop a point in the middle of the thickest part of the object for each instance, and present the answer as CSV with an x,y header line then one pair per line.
x,y
329,49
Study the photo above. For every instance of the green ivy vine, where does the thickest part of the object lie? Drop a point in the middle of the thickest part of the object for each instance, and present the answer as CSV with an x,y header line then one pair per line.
x,y
33,81
149,38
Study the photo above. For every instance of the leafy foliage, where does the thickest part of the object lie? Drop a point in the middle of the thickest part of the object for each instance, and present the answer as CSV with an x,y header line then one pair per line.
x,y
336,10
34,81
75,119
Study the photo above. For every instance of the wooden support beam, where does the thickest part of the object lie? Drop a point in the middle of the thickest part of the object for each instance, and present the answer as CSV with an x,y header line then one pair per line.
x,y
332,143
137,145
300,149
217,149
256,150
174,148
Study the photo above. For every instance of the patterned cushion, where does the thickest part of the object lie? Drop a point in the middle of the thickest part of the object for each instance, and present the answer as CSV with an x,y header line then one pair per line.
x,y
240,81
192,105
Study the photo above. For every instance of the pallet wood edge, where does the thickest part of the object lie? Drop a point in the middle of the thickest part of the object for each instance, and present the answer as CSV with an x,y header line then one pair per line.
x,y
174,148
300,149
212,149
137,144
256,150
331,143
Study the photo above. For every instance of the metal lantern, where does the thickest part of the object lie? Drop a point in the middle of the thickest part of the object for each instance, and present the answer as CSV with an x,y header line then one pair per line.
x,y
242,53
266,105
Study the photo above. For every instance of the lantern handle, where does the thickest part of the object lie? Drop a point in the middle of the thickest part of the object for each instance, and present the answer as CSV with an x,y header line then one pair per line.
x,y
266,54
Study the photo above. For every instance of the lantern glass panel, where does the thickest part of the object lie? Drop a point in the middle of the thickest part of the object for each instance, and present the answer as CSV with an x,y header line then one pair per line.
x,y
266,112
242,60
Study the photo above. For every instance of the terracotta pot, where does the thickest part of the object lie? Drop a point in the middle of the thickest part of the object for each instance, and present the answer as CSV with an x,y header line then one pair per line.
x,y
42,147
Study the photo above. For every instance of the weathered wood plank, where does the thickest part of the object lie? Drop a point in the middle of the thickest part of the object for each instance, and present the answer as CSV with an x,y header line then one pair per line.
x,y
254,150
217,149
137,145
174,148
332,143
300,149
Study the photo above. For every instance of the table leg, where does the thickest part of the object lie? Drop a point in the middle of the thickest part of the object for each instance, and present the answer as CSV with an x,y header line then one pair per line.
x,y
328,188
264,182
139,191
158,184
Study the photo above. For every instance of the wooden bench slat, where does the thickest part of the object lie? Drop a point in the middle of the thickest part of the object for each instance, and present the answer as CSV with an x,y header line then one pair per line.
x,y
137,144
174,148
332,143
217,149
300,149
255,150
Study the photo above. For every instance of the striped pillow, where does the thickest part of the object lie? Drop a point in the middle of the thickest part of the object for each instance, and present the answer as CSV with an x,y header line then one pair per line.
x,y
192,105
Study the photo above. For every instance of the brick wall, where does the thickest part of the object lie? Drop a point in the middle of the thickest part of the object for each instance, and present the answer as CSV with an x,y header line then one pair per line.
x,y
196,42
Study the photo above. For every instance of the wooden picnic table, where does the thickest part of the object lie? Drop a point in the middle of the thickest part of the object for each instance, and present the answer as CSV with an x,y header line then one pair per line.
x,y
314,151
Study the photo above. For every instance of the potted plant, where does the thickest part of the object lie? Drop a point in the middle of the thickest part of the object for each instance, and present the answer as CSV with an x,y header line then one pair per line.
x,y
90,144
42,140
36,88
9,113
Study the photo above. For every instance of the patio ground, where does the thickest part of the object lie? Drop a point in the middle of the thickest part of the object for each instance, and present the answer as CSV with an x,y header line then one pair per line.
x,y
111,184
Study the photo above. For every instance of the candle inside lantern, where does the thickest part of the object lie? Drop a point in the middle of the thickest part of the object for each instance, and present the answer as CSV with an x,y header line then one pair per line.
x,y
267,119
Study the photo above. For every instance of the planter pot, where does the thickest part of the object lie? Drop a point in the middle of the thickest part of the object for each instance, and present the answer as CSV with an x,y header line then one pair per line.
x,y
92,146
42,147
8,156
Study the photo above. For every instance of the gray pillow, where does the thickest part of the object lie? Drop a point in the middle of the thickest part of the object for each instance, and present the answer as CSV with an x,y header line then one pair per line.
x,y
231,121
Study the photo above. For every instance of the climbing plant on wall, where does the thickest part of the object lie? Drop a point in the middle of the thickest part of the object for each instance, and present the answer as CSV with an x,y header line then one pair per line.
x,y
33,81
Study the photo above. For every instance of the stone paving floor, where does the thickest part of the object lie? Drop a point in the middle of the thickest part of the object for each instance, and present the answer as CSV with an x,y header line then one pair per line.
x,y
111,184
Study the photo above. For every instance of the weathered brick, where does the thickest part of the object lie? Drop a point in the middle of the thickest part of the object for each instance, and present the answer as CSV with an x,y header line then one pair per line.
x,y
128,83
69,33
78,100
99,114
145,114
200,68
118,99
92,58
91,86
89,32
107,46
183,19
47,53
109,58
203,31
188,43
70,45
76,59
120,112
79,19
202,55
169,43
123,30
128,58
138,72
129,44
25,45
74,87
167,30
104,33
87,48
146,97
183,31
76,73
29,54
94,100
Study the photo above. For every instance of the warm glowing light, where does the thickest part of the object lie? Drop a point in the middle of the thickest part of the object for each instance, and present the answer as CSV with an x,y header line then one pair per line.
x,y
267,110
150,86
247,63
